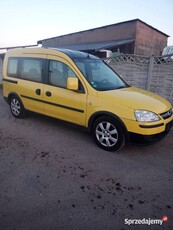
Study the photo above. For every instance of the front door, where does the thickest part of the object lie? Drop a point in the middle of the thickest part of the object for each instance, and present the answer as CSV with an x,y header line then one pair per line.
x,y
60,102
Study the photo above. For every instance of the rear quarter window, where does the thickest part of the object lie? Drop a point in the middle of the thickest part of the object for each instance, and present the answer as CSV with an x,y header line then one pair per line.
x,y
25,68
12,67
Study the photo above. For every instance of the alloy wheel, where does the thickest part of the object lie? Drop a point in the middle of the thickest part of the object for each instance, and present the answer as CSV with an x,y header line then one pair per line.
x,y
106,134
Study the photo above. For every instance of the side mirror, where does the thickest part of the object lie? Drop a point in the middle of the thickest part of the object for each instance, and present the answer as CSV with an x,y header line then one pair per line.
x,y
72,83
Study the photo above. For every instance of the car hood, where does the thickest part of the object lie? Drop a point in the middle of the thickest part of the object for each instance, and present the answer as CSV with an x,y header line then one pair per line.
x,y
136,98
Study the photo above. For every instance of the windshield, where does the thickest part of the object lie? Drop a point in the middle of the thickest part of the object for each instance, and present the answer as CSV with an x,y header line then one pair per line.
x,y
99,75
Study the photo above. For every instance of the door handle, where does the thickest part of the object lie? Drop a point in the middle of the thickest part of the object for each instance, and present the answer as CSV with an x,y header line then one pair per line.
x,y
38,91
48,94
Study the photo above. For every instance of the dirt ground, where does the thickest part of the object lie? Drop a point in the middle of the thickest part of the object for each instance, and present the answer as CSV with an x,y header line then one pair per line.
x,y
53,177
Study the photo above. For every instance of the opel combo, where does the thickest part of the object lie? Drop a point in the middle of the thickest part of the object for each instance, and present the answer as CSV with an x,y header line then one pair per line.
x,y
81,88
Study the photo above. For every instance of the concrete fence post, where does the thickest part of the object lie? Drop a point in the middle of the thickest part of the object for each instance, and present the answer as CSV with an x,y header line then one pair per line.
x,y
150,71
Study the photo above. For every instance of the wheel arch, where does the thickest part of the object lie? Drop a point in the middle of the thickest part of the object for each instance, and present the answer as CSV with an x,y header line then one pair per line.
x,y
96,115
11,94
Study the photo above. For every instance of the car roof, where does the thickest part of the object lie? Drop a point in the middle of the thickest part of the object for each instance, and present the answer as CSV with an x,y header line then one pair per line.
x,y
72,54
75,54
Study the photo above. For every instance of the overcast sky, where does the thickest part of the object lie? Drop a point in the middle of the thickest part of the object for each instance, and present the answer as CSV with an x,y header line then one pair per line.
x,y
24,22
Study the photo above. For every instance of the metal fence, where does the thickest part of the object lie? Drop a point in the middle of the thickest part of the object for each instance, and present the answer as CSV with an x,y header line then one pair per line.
x,y
152,73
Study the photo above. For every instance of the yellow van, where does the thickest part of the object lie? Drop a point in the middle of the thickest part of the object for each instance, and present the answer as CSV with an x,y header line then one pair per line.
x,y
80,88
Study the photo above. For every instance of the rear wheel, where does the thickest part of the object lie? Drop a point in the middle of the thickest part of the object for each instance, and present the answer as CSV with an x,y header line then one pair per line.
x,y
108,133
16,107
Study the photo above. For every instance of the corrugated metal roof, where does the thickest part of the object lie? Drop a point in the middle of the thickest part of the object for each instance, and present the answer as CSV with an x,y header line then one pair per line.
x,y
96,45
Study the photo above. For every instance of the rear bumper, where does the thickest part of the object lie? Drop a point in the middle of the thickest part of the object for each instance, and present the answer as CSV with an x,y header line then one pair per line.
x,y
147,139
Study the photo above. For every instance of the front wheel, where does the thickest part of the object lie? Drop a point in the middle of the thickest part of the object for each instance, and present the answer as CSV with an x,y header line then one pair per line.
x,y
16,107
108,133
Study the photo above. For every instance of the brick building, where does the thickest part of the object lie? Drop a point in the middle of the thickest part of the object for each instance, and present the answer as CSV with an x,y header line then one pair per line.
x,y
129,37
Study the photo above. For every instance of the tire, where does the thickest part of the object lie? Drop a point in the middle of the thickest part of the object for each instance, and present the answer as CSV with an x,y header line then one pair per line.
x,y
108,133
16,107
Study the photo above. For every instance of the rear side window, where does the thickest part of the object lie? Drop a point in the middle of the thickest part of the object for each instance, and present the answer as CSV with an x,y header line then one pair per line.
x,y
12,67
31,69
25,68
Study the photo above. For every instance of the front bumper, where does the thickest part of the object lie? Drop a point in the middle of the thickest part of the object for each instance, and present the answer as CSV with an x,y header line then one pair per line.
x,y
147,139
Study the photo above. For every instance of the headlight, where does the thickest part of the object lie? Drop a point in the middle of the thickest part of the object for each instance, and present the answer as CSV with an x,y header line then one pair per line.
x,y
146,116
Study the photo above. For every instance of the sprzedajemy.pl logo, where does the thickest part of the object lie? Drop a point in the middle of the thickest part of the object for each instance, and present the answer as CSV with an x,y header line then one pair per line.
x,y
145,221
